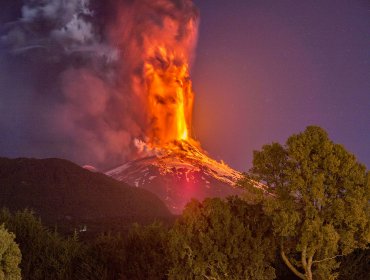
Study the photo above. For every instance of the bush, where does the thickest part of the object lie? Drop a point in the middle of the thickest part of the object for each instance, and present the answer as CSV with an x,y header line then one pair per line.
x,y
10,256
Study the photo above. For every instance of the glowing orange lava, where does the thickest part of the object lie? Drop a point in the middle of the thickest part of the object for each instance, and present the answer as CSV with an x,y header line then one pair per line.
x,y
170,95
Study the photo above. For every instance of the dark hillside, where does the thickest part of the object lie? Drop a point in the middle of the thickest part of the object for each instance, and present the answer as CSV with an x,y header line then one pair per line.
x,y
62,192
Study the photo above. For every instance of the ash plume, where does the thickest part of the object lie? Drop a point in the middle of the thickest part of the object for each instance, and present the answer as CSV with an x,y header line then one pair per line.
x,y
71,74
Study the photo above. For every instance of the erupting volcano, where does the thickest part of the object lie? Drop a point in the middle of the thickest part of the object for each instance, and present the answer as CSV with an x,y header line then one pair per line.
x,y
171,164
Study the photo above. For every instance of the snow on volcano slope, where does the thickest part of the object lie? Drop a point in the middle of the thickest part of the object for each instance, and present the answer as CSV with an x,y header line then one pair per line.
x,y
178,173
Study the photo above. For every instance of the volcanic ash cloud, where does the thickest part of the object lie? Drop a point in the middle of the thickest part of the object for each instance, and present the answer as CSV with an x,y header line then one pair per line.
x,y
100,74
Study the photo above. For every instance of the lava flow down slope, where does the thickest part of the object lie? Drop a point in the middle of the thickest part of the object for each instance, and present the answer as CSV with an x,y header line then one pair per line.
x,y
170,162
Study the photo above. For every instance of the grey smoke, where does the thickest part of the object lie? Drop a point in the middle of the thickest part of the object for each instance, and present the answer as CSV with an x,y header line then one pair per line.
x,y
49,23
65,84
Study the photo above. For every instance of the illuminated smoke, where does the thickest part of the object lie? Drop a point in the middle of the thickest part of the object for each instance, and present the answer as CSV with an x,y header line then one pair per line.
x,y
158,39
97,75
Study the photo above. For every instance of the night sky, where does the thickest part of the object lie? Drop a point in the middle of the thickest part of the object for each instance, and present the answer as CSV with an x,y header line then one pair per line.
x,y
263,70
267,69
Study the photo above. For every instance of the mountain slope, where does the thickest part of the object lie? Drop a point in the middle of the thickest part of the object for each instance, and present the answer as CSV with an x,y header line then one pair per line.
x,y
61,190
179,172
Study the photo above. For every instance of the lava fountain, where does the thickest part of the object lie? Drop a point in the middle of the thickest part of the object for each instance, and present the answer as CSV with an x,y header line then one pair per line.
x,y
159,39
170,95
166,59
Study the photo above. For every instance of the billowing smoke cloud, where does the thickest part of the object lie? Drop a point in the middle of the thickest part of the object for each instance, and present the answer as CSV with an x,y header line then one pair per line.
x,y
71,81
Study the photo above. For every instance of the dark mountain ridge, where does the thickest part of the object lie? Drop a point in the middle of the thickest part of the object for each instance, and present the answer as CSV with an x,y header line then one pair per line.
x,y
59,190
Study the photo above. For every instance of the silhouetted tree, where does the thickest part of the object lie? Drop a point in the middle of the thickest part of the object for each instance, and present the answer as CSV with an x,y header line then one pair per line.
x,y
103,258
146,253
222,240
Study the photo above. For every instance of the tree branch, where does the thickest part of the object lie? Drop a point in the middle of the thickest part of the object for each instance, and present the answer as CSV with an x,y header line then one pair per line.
x,y
303,258
290,265
309,265
326,259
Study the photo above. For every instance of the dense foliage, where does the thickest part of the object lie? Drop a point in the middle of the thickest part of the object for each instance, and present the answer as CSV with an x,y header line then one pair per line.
x,y
232,237
222,240
45,254
355,265
146,254
320,209
10,256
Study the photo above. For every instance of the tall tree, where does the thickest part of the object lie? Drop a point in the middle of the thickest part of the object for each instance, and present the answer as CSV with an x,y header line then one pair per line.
x,y
10,256
320,201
